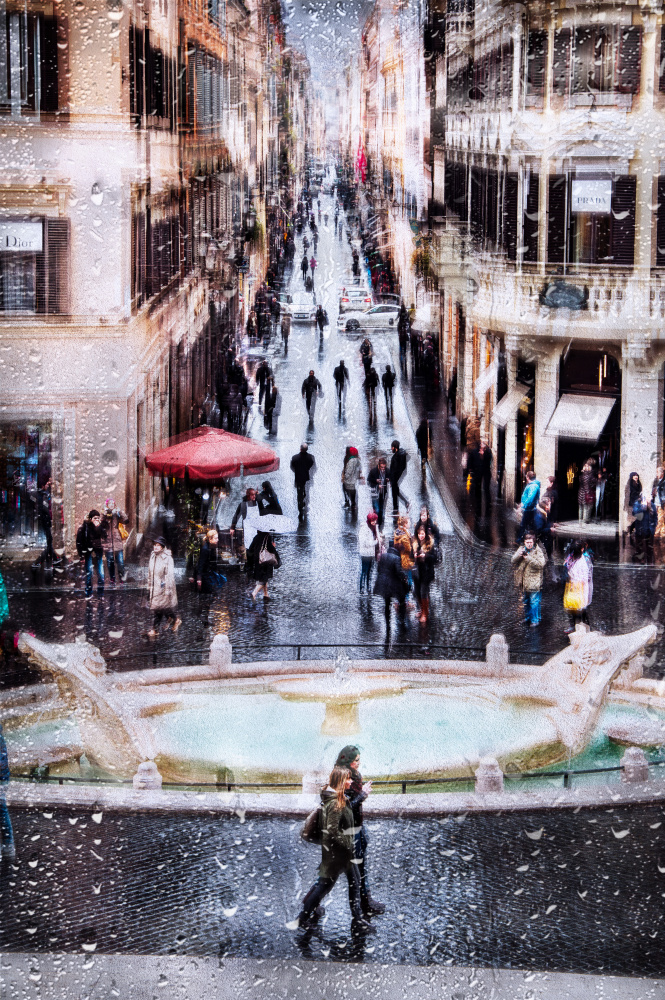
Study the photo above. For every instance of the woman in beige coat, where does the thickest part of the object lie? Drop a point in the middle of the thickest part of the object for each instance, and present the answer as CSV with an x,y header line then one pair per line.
x,y
162,595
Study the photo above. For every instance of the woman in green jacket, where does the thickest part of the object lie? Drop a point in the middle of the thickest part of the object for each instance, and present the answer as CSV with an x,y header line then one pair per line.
x,y
337,851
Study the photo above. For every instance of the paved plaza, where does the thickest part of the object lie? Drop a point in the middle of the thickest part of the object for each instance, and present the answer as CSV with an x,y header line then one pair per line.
x,y
559,891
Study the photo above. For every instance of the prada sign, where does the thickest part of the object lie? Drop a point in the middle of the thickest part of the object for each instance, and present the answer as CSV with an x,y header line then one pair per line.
x,y
591,196
21,237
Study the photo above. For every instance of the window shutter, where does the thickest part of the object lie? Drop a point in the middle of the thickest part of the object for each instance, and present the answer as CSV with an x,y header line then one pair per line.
x,y
556,219
561,64
530,221
509,216
661,64
628,77
536,59
57,247
582,38
492,206
622,221
475,208
49,65
660,224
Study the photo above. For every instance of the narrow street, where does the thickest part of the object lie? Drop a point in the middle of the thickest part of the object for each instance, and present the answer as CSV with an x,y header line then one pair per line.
x,y
314,594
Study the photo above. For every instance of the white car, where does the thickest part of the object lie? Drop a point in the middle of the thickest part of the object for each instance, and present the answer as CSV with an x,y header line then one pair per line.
x,y
354,297
381,317
303,307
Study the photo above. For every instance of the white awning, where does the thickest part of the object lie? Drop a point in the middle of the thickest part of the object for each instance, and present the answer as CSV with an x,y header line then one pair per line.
x,y
485,381
580,418
508,405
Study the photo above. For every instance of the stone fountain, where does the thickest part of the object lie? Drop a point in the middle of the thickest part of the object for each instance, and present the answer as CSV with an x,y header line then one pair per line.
x,y
273,721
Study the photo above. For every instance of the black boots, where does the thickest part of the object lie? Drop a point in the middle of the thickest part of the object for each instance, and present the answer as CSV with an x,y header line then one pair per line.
x,y
370,905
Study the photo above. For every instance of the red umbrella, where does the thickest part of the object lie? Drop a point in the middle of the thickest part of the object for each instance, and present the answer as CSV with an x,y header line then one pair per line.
x,y
206,454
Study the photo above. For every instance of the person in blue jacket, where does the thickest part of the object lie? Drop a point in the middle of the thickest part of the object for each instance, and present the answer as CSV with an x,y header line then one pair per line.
x,y
7,848
530,498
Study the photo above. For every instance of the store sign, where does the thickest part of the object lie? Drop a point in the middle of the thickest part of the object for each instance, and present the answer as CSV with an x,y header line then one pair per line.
x,y
21,237
591,196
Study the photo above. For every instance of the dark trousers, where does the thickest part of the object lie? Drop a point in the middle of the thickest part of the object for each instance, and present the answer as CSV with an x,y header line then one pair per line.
x,y
6,831
262,390
301,492
323,886
397,494
378,505
366,564
48,553
163,613
579,616
98,559
388,393
111,559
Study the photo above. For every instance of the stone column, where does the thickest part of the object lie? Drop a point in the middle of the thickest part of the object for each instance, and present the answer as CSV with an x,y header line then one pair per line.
x,y
547,392
641,433
511,427
635,766
489,776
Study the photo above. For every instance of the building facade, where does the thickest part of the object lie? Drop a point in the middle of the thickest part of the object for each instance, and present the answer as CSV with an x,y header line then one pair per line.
x,y
547,168
140,158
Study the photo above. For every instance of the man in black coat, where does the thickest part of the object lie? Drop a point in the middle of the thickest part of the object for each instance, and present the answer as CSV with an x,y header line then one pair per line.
x,y
262,374
390,580
388,383
423,442
397,470
301,466
90,547
310,389
341,376
486,459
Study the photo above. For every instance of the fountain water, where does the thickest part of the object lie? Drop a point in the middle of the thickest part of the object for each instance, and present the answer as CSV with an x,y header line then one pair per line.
x,y
342,693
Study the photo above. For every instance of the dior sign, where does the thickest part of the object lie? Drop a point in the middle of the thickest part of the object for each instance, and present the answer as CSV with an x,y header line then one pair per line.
x,y
21,237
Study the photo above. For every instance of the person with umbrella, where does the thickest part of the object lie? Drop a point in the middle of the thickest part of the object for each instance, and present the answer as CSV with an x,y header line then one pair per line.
x,y
262,559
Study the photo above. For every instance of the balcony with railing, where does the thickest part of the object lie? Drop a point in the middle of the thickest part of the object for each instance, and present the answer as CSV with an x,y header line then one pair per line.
x,y
587,302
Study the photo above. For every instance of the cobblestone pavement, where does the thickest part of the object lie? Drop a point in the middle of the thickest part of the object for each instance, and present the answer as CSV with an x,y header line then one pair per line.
x,y
571,891
314,594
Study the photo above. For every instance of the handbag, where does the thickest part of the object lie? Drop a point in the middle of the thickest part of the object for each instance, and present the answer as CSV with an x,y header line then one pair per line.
x,y
267,558
312,832
124,534
573,595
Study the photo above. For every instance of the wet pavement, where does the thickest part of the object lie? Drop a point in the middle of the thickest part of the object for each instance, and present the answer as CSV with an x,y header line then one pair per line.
x,y
314,595
571,891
